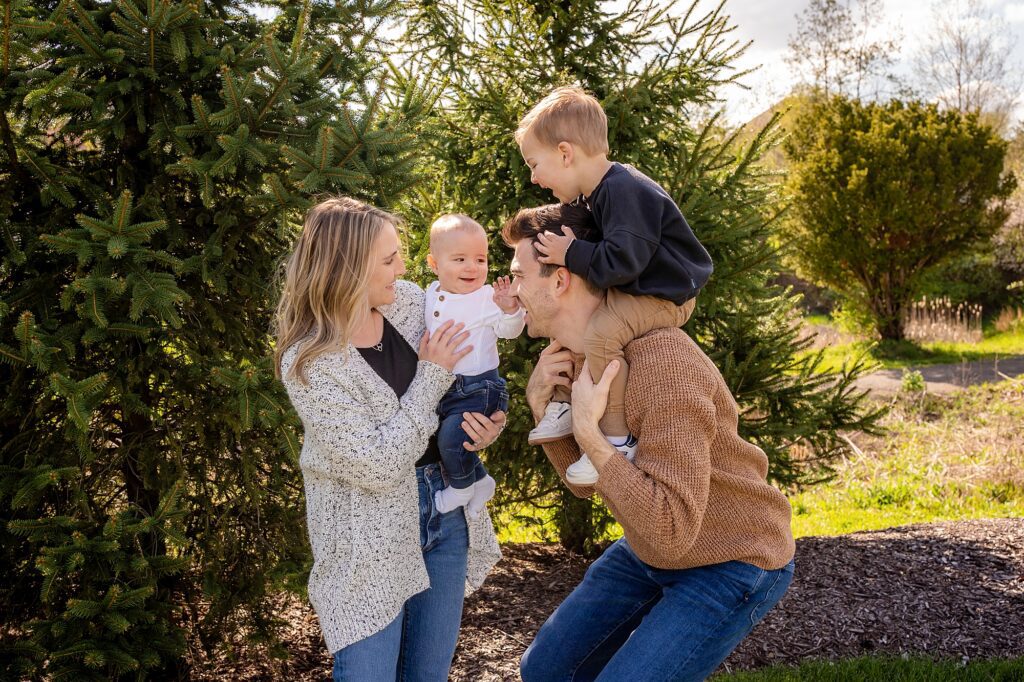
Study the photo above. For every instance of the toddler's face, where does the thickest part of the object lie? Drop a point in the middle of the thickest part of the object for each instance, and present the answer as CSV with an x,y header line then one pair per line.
x,y
548,169
460,261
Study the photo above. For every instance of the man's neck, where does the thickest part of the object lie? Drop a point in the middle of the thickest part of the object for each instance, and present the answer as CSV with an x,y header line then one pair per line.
x,y
573,322
592,171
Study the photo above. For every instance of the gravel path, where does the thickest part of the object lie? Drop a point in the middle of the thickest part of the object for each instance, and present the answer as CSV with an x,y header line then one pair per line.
x,y
949,590
945,379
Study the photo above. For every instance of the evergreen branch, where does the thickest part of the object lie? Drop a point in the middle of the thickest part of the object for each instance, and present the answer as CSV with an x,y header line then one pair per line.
x,y
11,357
122,211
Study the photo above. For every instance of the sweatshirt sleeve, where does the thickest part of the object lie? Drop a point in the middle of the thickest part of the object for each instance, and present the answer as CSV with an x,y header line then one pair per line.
x,y
631,233
345,442
664,491
510,326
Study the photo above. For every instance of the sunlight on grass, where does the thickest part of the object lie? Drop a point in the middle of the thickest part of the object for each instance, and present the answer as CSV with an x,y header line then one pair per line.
x,y
943,459
952,458
891,355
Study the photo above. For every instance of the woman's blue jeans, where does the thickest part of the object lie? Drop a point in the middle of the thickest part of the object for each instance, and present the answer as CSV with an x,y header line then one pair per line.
x,y
629,621
420,643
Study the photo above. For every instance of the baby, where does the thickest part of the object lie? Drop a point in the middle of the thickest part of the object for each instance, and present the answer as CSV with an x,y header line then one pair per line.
x,y
458,256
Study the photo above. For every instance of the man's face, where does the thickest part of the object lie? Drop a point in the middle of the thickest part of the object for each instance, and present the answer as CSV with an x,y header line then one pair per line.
x,y
534,291
548,169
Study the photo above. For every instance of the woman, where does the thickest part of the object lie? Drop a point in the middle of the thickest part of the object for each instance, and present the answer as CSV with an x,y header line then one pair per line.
x,y
389,572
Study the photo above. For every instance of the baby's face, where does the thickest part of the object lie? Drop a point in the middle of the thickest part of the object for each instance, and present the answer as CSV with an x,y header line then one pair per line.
x,y
460,261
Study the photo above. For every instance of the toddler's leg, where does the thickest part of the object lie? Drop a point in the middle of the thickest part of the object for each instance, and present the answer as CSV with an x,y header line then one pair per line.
x,y
621,319
607,334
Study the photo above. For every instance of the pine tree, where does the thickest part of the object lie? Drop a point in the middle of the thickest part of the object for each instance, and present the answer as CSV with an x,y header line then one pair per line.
x,y
155,157
657,70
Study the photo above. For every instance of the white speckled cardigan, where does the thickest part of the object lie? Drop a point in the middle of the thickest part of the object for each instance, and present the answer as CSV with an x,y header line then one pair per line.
x,y
362,501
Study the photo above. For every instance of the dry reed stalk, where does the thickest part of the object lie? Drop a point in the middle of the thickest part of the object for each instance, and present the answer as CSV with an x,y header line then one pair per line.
x,y
939,320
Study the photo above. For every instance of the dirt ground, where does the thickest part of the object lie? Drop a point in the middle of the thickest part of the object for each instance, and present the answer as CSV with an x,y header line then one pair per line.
x,y
947,590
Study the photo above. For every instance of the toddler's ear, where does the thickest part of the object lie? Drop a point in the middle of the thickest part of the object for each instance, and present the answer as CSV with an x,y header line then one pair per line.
x,y
567,152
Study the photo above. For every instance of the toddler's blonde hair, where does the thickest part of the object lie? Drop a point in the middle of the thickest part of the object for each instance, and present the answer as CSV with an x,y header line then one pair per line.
x,y
570,115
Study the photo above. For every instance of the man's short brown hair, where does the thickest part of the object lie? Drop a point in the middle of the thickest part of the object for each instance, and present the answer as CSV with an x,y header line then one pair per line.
x,y
530,222
570,115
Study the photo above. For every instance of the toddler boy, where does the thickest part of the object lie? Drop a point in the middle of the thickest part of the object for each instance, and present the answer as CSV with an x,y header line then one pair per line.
x,y
647,257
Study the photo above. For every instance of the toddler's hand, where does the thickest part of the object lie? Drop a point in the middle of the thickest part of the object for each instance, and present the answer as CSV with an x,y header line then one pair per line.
x,y
503,297
553,247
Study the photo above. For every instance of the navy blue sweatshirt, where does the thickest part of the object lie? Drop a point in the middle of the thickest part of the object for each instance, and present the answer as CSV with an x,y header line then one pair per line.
x,y
646,247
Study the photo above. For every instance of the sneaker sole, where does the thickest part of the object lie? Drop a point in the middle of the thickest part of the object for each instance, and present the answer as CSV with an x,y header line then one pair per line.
x,y
578,481
548,439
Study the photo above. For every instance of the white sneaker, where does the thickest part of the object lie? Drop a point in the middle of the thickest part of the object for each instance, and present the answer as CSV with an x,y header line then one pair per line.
x,y
556,424
581,472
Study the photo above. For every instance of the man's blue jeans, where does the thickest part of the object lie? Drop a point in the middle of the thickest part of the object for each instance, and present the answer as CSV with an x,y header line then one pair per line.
x,y
629,621
419,644
485,393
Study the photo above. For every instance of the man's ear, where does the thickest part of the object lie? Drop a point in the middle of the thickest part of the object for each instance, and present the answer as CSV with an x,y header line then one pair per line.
x,y
567,152
563,280
432,263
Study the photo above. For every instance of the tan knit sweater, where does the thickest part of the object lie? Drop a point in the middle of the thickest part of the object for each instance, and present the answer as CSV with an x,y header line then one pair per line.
x,y
696,492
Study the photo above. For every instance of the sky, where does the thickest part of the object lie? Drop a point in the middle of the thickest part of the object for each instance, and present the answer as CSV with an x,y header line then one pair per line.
x,y
769,24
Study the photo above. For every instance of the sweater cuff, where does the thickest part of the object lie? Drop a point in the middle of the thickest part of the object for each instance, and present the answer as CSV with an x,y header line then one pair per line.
x,y
578,256
616,483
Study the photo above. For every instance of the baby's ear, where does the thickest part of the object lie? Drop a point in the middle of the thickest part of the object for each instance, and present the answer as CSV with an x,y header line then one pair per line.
x,y
432,263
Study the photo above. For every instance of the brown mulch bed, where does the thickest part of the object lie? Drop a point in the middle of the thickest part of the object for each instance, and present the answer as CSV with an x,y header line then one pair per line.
x,y
945,590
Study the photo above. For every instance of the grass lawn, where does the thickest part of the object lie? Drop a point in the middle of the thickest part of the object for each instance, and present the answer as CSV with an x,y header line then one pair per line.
x,y
888,669
944,458
890,354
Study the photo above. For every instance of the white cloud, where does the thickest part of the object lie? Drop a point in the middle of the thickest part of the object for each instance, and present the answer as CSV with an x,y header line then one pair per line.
x,y
1014,12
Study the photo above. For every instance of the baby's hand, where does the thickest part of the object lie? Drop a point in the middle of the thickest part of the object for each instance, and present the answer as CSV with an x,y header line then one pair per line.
x,y
553,247
503,297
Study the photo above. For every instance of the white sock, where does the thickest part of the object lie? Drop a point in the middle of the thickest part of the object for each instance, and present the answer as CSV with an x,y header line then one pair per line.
x,y
618,440
483,490
451,498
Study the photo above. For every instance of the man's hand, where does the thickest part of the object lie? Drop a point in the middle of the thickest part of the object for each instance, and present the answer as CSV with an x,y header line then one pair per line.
x,y
552,247
503,297
589,401
554,368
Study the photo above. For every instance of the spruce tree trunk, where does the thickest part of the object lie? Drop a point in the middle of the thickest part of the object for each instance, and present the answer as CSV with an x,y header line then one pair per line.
x,y
575,522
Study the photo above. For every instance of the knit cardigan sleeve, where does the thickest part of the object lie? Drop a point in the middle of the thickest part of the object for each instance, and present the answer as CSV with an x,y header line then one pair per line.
x,y
349,441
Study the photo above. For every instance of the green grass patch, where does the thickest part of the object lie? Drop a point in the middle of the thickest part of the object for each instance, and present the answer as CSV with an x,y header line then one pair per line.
x,y
943,459
888,669
899,354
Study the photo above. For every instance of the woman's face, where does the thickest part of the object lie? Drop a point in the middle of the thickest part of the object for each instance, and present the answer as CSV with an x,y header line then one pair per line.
x,y
387,266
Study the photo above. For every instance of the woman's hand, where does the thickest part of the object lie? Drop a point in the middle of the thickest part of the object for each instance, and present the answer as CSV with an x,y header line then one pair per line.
x,y
443,346
554,368
481,429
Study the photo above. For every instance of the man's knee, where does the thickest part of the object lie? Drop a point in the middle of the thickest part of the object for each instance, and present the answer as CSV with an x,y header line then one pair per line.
x,y
528,667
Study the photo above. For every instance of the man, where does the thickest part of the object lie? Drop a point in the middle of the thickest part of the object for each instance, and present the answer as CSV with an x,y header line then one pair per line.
x,y
707,549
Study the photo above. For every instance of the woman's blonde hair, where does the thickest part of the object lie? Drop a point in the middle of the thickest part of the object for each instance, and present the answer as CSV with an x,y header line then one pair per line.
x,y
326,277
